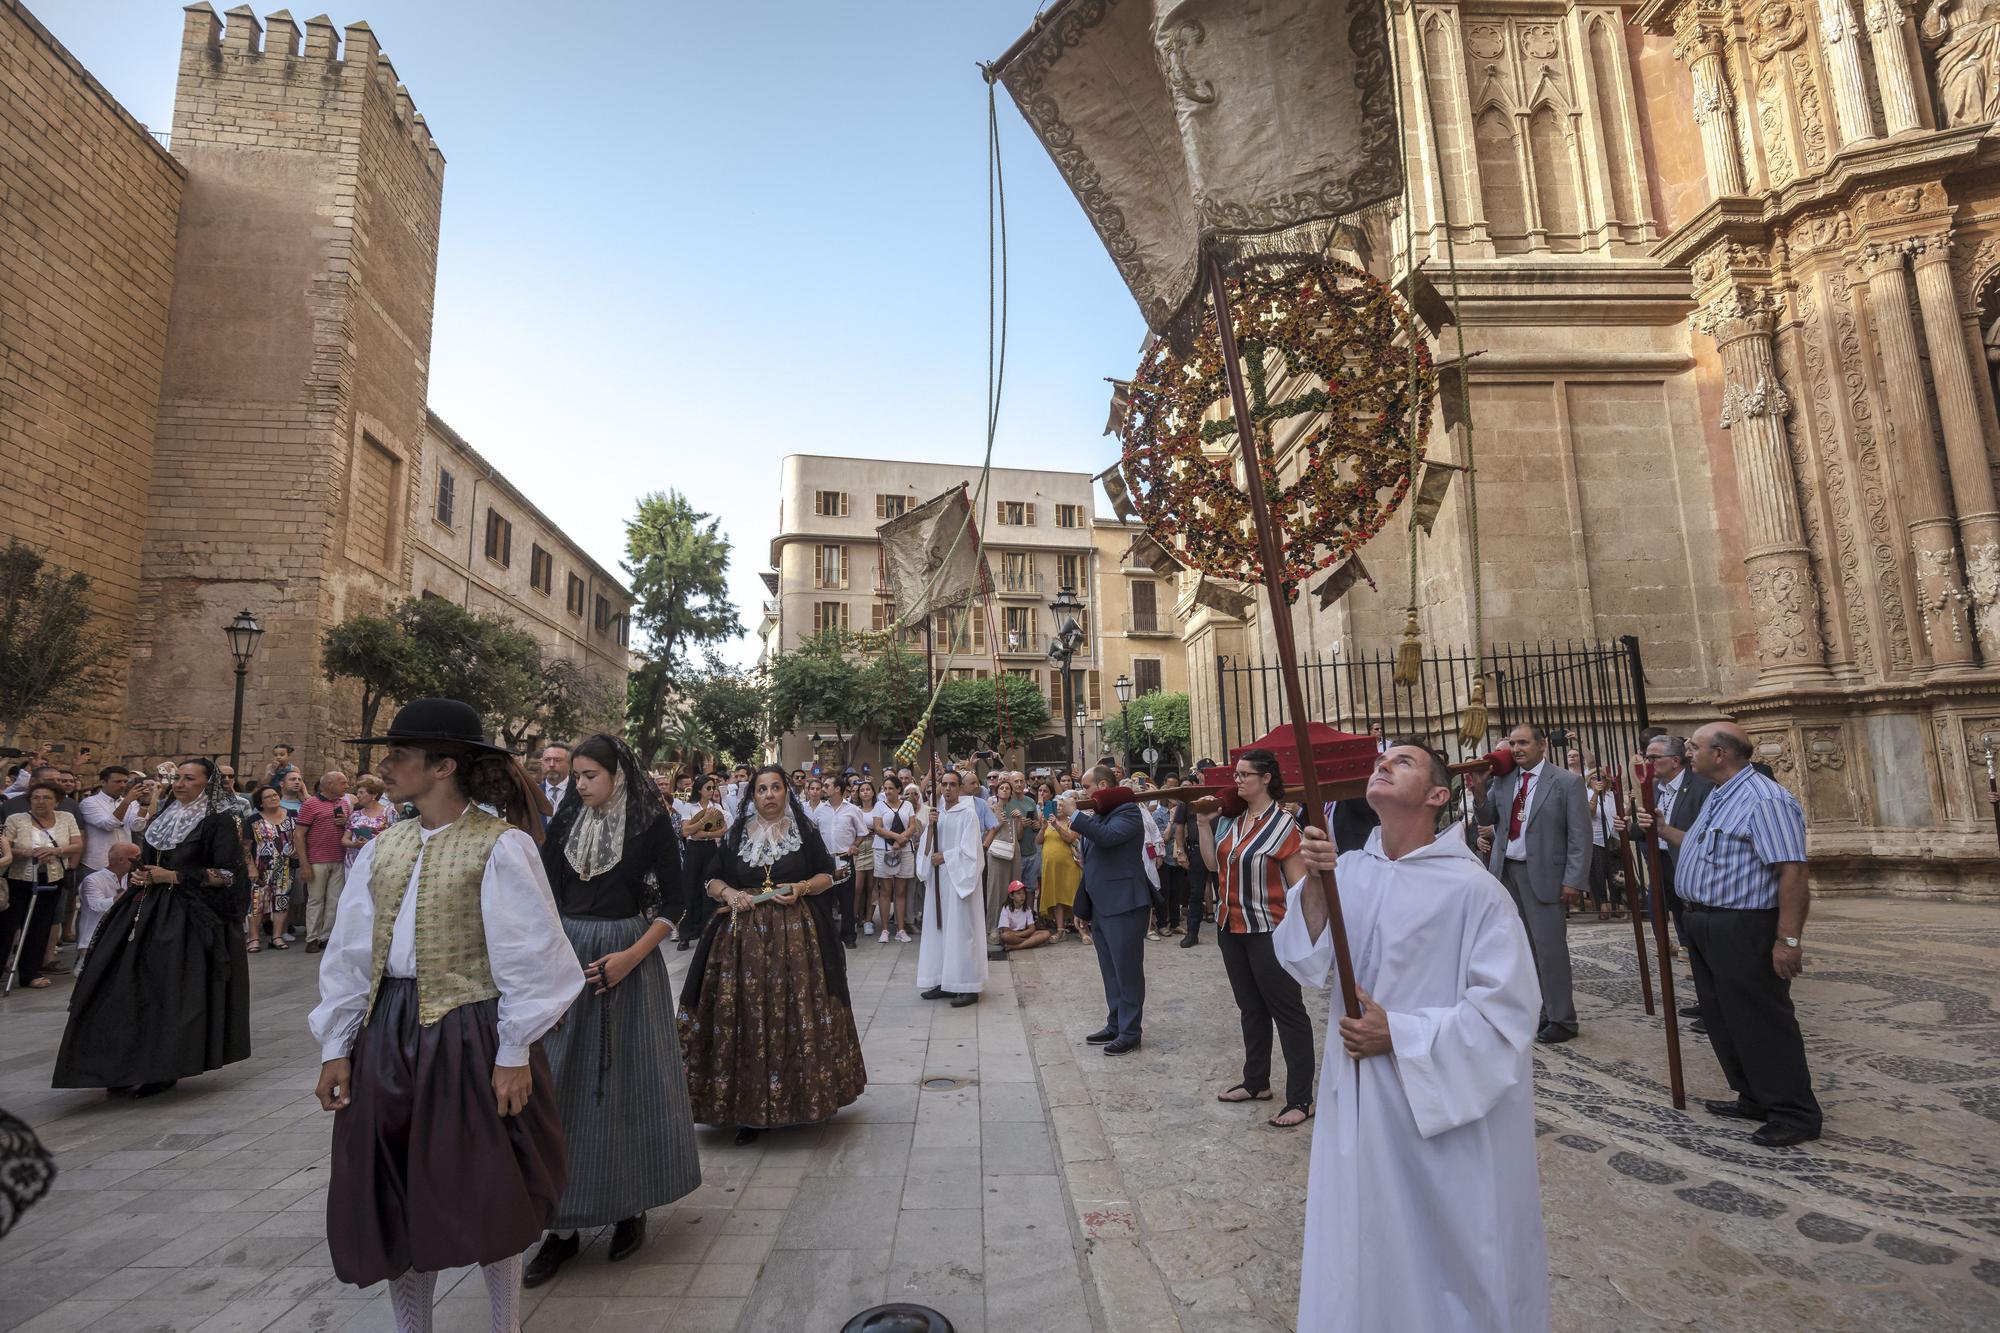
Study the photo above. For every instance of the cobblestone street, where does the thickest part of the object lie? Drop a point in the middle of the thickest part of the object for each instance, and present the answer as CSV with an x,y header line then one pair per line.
x,y
1655,1218
1007,1174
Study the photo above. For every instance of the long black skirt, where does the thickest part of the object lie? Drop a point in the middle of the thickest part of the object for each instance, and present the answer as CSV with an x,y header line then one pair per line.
x,y
166,995
427,1174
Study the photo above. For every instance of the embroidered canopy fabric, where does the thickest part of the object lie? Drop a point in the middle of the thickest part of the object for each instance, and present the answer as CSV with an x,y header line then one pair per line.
x,y
1246,126
933,558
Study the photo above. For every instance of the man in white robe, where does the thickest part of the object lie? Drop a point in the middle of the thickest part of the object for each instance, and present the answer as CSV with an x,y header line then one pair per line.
x,y
951,953
1423,1208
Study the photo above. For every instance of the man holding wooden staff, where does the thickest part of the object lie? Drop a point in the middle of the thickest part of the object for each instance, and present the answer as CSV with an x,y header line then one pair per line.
x,y
1423,1207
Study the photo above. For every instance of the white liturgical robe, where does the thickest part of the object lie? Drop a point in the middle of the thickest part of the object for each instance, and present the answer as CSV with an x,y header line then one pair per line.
x,y
1423,1207
952,950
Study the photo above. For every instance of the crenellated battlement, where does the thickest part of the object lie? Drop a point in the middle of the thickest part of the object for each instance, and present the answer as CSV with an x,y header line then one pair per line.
x,y
219,40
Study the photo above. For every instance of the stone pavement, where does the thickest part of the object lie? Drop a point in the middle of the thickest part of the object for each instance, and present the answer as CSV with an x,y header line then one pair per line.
x,y
1192,1211
204,1208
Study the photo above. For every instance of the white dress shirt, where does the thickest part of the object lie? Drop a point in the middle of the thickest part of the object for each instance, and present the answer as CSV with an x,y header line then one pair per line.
x,y
100,889
555,791
101,828
530,957
1664,795
1517,848
841,827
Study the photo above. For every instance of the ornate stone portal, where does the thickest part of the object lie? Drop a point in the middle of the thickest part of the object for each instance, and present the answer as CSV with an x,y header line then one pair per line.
x,y
1731,273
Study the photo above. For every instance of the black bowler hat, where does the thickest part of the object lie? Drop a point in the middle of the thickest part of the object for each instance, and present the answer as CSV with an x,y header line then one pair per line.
x,y
434,721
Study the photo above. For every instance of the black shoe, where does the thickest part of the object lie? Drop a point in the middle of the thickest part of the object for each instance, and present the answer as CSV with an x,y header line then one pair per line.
x,y
745,1136
935,993
961,1001
1554,1036
153,1089
1102,1035
1123,1046
1699,1028
684,945
1189,940
1691,1011
555,1252
850,941
1736,1110
1782,1136
627,1237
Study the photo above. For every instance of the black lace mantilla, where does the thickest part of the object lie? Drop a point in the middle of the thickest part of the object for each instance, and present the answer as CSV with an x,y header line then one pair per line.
x,y
26,1170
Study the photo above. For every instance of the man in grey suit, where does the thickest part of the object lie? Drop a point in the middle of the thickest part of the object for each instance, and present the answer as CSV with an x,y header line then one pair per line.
x,y
1121,905
1540,849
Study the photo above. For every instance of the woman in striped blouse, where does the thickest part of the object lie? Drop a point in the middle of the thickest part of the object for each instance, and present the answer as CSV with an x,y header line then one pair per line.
x,y
1254,863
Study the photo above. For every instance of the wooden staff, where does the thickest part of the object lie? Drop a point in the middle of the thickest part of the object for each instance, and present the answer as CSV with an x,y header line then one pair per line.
x,y
1632,899
1271,545
1659,881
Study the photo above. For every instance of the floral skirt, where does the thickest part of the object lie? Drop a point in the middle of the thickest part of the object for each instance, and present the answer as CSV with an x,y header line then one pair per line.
x,y
767,1044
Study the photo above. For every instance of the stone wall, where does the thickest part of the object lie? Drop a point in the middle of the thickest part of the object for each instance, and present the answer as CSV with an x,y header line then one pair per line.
x,y
87,219
298,365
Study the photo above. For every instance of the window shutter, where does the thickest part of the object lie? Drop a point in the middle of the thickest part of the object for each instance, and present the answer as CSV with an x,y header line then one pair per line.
x,y
1029,512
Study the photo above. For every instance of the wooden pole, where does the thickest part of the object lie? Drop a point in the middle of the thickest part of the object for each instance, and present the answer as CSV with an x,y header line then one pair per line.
x,y
1632,902
1271,544
1659,896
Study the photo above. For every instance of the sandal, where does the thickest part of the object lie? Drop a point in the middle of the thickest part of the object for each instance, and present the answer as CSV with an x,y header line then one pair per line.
x,y
1248,1096
279,944
254,947
39,983
1278,1121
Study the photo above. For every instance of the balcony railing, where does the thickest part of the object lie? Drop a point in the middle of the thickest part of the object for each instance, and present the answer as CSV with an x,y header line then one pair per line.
x,y
1148,622
1031,584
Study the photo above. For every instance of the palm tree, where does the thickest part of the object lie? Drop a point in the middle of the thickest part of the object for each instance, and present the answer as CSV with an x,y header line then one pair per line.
x,y
686,739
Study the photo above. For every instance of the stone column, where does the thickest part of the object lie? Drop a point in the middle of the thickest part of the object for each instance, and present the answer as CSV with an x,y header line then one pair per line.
x,y
1940,592
1893,75
1964,442
1700,46
1784,601
1840,37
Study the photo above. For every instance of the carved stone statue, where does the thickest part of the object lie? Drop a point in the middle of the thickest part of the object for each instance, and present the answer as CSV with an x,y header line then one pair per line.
x,y
1965,34
1778,26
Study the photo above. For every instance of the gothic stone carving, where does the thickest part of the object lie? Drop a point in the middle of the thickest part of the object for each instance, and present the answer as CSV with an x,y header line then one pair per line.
x,y
1781,604
1898,647
1965,36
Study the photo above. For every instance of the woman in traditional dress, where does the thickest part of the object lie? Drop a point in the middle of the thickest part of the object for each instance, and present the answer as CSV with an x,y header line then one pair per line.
x,y
701,839
765,1017
274,842
614,862
167,993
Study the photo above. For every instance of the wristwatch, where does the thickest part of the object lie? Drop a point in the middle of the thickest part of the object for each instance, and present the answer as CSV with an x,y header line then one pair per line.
x,y
1789,941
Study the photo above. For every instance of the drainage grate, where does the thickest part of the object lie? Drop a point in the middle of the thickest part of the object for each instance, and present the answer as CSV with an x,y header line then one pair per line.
x,y
945,1084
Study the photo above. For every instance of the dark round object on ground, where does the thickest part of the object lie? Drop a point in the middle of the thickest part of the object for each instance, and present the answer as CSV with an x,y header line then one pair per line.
x,y
898,1318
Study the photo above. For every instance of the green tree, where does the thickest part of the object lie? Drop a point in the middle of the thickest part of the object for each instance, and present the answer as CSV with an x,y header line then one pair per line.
x,y
51,659
733,709
562,700
479,657
376,653
1172,730
894,690
678,562
818,683
968,712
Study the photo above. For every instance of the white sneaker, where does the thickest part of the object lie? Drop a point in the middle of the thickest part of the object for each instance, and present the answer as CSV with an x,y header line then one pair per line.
x,y
885,935
903,937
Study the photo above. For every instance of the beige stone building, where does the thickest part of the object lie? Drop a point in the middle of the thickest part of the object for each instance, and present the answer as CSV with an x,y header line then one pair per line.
x,y
219,375
1726,267
826,571
1139,630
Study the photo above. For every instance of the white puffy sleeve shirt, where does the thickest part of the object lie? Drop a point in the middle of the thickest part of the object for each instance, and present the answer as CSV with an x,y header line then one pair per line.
x,y
530,957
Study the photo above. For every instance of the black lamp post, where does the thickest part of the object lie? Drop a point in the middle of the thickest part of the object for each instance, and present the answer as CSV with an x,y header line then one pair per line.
x,y
1062,651
1124,687
243,633
1149,753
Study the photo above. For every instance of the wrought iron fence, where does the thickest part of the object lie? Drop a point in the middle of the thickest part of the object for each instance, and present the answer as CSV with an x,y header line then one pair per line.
x,y
1589,694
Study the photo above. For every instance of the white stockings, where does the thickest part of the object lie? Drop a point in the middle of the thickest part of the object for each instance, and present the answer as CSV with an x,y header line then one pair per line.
x,y
411,1296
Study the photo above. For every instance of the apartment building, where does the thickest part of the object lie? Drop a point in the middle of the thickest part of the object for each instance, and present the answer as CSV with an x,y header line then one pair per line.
x,y
827,572
1139,638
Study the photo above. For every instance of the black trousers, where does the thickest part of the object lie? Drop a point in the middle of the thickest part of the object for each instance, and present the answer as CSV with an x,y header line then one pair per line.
x,y
1197,892
843,902
1173,896
1267,994
1748,1010
38,914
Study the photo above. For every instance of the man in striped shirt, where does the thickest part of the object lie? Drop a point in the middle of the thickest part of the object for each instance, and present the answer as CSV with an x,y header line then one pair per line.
x,y
1740,874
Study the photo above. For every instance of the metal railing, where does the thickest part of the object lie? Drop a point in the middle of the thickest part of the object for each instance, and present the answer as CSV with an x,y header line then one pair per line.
x,y
1590,694
1031,584
1148,622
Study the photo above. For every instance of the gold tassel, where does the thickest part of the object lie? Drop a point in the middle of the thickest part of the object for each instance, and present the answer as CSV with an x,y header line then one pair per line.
x,y
1410,654
1472,723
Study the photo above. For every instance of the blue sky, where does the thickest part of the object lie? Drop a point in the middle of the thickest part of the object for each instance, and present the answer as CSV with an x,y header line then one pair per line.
x,y
682,240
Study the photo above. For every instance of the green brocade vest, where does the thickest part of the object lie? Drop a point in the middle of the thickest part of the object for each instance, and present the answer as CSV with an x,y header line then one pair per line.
x,y
452,967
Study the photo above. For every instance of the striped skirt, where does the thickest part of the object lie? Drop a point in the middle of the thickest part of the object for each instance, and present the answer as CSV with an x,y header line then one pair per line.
x,y
621,1087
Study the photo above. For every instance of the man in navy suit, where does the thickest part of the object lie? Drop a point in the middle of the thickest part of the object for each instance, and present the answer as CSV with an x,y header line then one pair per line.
x,y
1121,904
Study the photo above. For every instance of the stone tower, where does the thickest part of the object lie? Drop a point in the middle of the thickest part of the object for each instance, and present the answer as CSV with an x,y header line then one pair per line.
x,y
292,410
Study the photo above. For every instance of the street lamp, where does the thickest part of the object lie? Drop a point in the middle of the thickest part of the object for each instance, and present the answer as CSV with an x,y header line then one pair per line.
x,y
1062,651
1123,685
242,633
1150,755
